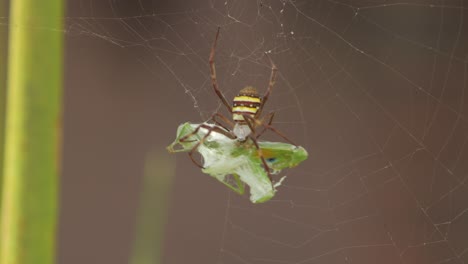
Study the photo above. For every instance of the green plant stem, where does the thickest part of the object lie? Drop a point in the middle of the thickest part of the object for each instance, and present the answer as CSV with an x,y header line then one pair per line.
x,y
153,209
3,62
31,168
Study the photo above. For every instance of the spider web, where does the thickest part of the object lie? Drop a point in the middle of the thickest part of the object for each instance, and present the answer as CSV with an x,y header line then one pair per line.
x,y
373,89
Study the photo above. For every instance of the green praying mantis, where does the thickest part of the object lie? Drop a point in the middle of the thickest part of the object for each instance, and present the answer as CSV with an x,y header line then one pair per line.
x,y
235,164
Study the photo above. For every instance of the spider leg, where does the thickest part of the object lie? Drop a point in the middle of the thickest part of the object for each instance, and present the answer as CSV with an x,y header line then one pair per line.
x,y
274,71
196,147
268,117
225,119
267,126
214,82
210,129
212,118
250,122
278,133
262,158
184,139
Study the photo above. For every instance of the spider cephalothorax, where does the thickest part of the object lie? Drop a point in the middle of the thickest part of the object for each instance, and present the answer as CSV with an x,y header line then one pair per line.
x,y
246,114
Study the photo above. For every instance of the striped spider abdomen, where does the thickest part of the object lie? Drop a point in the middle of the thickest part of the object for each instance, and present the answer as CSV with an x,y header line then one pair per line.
x,y
247,102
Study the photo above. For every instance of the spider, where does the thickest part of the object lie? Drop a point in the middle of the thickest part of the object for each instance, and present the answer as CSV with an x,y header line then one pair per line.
x,y
246,114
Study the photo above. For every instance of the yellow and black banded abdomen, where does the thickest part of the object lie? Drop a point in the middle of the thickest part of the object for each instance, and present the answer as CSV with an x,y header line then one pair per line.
x,y
245,104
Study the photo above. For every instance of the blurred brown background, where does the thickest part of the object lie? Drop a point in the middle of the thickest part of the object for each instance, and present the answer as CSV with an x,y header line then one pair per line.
x,y
374,90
